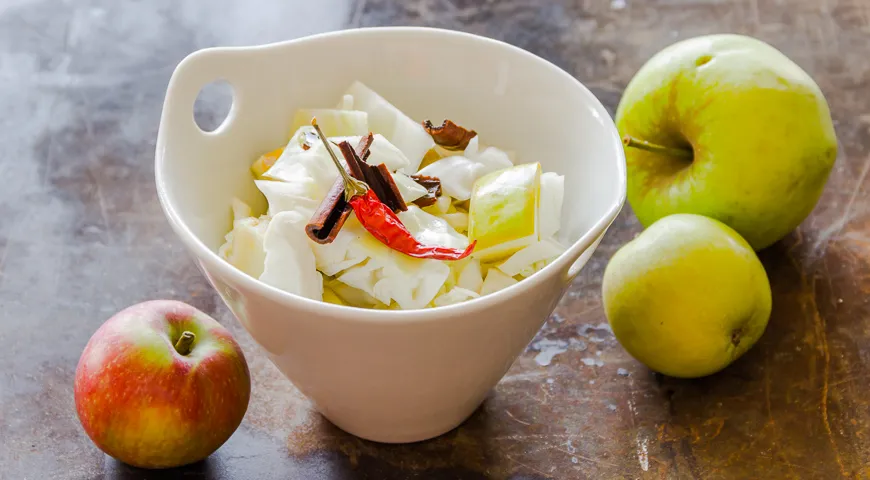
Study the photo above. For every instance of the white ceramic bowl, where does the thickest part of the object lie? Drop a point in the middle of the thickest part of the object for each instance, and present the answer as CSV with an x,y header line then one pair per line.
x,y
389,376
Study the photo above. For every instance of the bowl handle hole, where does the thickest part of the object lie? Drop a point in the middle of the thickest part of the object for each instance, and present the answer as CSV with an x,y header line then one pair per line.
x,y
213,105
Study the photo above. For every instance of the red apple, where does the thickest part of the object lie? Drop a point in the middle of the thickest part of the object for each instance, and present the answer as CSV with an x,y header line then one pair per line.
x,y
161,384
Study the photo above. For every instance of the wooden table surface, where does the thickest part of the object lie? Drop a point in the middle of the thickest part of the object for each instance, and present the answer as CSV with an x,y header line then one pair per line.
x,y
82,236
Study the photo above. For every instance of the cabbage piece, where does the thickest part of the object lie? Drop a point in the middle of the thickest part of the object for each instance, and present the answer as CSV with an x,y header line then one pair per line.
x,y
351,296
385,152
289,197
360,261
408,188
470,276
329,296
393,276
495,280
346,102
455,295
491,158
241,210
473,147
427,276
450,282
457,220
382,151
457,175
302,185
550,209
459,172
334,123
442,204
244,245
314,164
351,246
523,261
364,277
301,136
535,268
289,263
431,230
403,132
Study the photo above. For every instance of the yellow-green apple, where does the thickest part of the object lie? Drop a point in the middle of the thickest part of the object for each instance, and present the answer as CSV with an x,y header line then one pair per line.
x,y
728,127
687,297
161,384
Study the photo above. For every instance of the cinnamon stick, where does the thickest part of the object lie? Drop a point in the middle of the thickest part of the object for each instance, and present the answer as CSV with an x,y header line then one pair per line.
x,y
330,216
334,210
393,197
363,148
378,178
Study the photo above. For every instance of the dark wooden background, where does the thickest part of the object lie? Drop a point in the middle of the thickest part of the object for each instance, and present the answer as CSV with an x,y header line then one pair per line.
x,y
82,236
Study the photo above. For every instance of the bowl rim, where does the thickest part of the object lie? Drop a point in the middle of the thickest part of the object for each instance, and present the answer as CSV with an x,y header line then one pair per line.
x,y
563,263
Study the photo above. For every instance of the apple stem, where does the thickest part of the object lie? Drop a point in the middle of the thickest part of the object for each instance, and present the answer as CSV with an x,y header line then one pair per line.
x,y
630,141
185,342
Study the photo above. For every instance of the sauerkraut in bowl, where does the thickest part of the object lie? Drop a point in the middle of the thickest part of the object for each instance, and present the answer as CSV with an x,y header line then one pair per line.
x,y
444,184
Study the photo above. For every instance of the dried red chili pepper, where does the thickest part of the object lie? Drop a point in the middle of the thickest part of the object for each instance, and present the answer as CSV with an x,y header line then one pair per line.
x,y
384,225
379,220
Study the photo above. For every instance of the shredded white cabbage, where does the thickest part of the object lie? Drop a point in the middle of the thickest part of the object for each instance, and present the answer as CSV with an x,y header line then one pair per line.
x,y
550,208
457,220
431,230
312,165
334,123
356,269
496,280
288,197
524,260
455,295
243,247
352,246
408,188
406,134
470,276
381,151
411,282
459,172
241,210
289,263
457,175
346,102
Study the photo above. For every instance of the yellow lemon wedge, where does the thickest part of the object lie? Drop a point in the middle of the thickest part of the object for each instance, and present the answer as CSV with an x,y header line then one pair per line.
x,y
503,211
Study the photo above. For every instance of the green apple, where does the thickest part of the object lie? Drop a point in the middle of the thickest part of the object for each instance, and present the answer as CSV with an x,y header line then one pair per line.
x,y
687,297
728,127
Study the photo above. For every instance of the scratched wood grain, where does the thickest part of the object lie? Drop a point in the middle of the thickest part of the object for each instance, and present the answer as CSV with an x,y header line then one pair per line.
x,y
82,235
